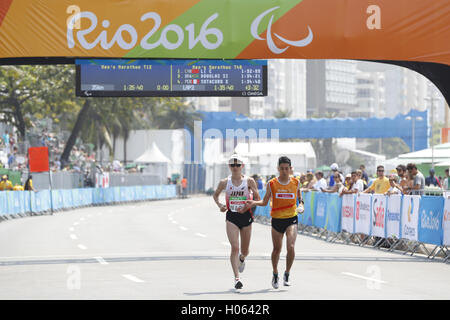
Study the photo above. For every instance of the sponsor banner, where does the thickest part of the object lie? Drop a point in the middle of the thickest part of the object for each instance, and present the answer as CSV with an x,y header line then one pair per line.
x,y
308,216
363,213
233,29
348,212
430,220
102,180
393,216
334,204
410,217
321,207
446,223
379,215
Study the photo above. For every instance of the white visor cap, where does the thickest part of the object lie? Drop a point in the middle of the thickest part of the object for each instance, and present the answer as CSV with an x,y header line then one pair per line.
x,y
236,157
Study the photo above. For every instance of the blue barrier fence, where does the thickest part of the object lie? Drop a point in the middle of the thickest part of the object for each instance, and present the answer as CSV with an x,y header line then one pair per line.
x,y
418,218
21,202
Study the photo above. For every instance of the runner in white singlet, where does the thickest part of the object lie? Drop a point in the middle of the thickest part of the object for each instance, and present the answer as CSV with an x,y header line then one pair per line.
x,y
238,189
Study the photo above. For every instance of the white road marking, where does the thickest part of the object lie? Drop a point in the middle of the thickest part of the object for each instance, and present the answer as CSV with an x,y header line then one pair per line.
x,y
362,277
82,219
132,278
82,247
200,235
183,228
76,223
89,215
71,229
101,260
174,222
73,236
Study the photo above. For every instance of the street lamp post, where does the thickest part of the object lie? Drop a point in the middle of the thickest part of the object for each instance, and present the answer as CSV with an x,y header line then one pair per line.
x,y
413,129
431,98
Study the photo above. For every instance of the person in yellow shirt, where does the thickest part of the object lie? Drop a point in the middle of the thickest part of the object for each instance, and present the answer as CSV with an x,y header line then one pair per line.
x,y
5,184
381,185
18,187
284,192
29,184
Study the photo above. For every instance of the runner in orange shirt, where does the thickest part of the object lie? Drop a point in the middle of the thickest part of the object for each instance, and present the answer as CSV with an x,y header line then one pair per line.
x,y
284,192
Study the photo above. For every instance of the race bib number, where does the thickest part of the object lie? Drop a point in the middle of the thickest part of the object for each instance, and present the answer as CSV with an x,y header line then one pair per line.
x,y
283,195
237,203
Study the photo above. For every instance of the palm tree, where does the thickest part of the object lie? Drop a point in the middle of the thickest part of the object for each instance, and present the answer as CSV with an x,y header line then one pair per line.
x,y
282,113
175,113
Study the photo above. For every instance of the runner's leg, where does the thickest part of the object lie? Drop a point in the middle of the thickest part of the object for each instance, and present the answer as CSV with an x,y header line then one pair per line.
x,y
277,240
233,237
246,233
291,236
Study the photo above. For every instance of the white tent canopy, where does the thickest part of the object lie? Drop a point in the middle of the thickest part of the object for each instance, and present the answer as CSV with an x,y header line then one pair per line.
x,y
440,155
153,155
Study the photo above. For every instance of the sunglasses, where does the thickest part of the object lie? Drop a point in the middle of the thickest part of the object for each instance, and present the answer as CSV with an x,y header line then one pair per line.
x,y
235,165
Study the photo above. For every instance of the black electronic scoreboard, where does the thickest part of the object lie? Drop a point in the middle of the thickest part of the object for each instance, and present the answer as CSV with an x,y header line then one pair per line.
x,y
171,78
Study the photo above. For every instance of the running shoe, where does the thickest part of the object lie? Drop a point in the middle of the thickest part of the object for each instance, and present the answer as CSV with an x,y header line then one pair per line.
x,y
238,284
286,279
241,265
275,281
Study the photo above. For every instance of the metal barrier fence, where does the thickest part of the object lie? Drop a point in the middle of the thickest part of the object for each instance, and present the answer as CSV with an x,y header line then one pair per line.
x,y
195,175
134,179
73,180
18,203
406,223
60,180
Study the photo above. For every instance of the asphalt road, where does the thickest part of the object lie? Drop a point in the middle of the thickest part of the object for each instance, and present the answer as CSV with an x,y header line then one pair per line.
x,y
178,249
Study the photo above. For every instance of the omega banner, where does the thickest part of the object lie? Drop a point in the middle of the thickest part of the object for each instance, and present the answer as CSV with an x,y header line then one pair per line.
x,y
410,30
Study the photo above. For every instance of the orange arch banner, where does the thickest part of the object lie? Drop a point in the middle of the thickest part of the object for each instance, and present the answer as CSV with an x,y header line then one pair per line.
x,y
403,30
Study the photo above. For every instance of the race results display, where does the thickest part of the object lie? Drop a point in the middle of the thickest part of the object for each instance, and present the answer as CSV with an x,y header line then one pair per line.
x,y
170,78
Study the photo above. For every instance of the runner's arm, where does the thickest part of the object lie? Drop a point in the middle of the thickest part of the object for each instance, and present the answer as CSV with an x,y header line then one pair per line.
x,y
254,188
220,188
299,194
262,202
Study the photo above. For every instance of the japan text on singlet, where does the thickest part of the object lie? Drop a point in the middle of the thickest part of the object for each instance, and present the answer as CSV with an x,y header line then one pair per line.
x,y
284,198
236,196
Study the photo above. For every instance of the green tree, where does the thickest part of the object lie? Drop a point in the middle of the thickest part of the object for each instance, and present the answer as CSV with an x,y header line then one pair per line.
x,y
282,113
390,147
41,91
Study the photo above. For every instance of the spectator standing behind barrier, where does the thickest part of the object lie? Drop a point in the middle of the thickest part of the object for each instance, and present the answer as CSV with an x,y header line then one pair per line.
x,y
402,176
395,187
358,184
28,186
446,179
338,185
381,184
309,182
6,140
335,169
18,187
364,176
321,182
432,180
184,183
5,184
418,180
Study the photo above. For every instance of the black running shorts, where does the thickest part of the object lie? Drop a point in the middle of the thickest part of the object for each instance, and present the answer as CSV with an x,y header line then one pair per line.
x,y
241,220
281,225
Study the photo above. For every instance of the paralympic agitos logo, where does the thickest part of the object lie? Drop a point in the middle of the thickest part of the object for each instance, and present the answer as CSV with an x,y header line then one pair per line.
x,y
298,43
127,37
